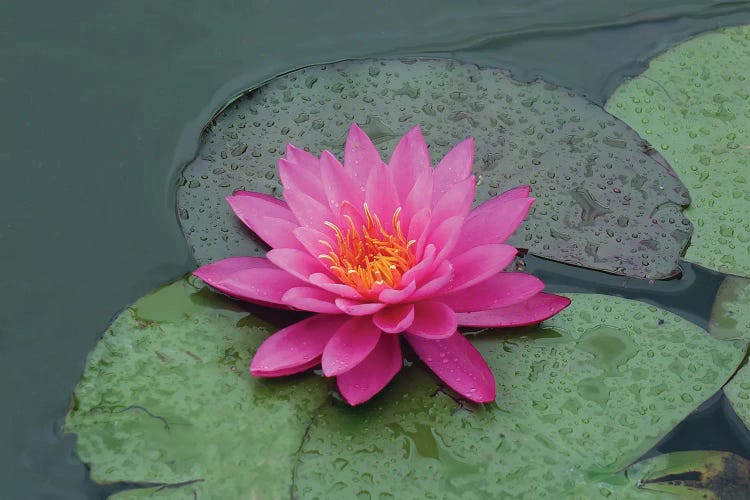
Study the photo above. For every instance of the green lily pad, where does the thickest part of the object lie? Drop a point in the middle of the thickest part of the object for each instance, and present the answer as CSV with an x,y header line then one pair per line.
x,y
166,404
605,200
730,318
693,104
579,399
695,474
166,400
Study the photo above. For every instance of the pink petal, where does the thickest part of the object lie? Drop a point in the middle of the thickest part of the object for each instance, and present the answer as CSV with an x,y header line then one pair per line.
x,y
220,269
515,193
360,155
355,308
301,158
298,263
395,318
457,201
492,222
295,348
351,344
249,278
409,160
250,203
278,233
423,268
438,282
394,296
302,180
458,364
445,236
327,283
500,290
266,216
479,263
311,240
374,372
381,195
309,212
534,310
339,186
417,230
419,198
433,320
454,167
307,298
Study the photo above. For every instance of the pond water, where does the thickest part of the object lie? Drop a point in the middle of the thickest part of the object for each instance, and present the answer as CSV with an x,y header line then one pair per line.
x,y
104,105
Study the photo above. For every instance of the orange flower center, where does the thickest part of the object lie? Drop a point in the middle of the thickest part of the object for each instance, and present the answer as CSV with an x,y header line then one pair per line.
x,y
369,258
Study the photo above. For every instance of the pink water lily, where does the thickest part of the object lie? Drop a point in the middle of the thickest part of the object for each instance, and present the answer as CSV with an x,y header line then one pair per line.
x,y
381,252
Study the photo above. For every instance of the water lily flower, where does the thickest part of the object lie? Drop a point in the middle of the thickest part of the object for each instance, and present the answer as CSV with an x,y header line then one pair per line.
x,y
383,252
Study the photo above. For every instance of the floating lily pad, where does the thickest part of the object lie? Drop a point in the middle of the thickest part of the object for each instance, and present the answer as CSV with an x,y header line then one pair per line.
x,y
166,404
605,200
578,399
695,474
166,400
730,318
693,104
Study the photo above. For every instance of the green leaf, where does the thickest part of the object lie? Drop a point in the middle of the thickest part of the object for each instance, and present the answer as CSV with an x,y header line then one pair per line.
x,y
166,400
730,318
695,474
166,404
579,399
604,201
693,104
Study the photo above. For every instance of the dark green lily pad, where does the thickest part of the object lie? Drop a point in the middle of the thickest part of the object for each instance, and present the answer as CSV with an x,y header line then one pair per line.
x,y
730,319
579,399
695,474
166,400
693,104
605,199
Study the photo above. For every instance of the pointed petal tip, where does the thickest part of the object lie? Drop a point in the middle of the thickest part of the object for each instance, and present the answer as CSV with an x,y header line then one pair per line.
x,y
532,311
261,372
466,146
291,148
482,396
415,133
354,128
283,163
328,155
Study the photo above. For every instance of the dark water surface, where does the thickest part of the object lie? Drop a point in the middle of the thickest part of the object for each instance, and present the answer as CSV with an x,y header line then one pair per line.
x,y
101,104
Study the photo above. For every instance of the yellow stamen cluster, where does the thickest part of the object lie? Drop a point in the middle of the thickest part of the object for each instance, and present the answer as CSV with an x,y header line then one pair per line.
x,y
369,258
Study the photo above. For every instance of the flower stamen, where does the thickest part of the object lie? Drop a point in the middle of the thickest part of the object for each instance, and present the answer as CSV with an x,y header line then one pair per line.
x,y
369,258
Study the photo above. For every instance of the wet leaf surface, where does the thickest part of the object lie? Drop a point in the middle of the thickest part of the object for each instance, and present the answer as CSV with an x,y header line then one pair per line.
x,y
730,318
693,105
166,405
605,201
579,398
166,399
695,474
